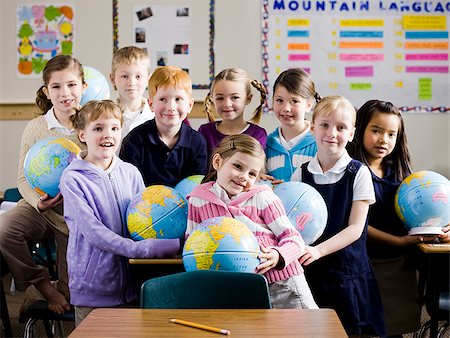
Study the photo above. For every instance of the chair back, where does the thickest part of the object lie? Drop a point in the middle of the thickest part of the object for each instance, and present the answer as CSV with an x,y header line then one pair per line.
x,y
206,289
12,195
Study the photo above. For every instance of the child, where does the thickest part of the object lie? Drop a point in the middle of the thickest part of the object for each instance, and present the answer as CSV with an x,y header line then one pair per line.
x,y
129,76
97,188
230,93
340,275
165,149
231,191
292,144
40,217
380,143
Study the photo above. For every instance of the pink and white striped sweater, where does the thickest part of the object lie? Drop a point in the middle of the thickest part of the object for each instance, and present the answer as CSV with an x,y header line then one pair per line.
x,y
261,210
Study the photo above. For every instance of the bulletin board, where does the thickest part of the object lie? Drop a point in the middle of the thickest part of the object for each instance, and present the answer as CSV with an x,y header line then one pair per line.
x,y
177,33
362,49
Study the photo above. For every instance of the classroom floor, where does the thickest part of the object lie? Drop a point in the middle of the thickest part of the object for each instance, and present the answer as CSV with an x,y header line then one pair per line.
x,y
15,301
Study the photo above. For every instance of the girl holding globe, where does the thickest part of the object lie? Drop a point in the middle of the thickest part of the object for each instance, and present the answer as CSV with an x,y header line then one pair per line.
x,y
97,188
380,143
230,191
336,265
39,217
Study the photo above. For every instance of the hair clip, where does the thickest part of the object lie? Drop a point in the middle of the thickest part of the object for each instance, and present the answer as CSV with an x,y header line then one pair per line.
x,y
232,147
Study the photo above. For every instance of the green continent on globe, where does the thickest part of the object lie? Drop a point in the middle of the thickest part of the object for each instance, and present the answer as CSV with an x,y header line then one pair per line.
x,y
42,164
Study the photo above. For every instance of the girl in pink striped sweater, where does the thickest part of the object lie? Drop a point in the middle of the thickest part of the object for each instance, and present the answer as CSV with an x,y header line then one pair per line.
x,y
231,191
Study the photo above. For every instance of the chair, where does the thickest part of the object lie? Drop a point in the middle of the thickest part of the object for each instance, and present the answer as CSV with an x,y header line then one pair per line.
x,y
442,314
12,194
4,313
206,289
435,294
40,311
10,198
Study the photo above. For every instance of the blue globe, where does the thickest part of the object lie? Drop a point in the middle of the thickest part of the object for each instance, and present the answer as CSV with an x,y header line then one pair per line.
x,y
421,202
186,185
45,162
157,212
305,208
97,86
221,243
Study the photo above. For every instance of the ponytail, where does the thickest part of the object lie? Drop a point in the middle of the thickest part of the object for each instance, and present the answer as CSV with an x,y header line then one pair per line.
x,y
208,104
74,119
258,111
317,97
42,101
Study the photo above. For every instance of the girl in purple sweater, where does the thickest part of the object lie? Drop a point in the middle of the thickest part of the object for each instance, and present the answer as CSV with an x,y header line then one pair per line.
x,y
231,191
231,92
97,188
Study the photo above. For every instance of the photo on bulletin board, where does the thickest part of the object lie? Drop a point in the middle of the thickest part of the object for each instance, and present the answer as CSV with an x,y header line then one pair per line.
x,y
362,50
179,33
43,31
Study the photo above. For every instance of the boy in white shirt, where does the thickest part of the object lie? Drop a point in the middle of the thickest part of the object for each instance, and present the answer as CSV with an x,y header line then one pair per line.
x,y
129,76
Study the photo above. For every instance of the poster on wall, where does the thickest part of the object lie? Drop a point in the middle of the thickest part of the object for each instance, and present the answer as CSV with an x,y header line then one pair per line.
x,y
164,31
43,31
396,51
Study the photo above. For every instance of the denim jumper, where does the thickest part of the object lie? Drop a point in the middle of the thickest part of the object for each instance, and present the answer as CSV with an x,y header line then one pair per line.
x,y
344,280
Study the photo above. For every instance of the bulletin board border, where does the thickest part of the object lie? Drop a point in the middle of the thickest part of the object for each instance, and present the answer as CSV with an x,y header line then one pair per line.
x,y
211,59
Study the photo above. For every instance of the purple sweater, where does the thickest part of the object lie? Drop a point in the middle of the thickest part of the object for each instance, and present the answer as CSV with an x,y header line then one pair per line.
x,y
261,210
213,136
95,204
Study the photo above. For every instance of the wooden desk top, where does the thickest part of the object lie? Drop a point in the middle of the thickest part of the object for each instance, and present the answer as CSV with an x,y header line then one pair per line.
x,y
242,323
434,247
156,261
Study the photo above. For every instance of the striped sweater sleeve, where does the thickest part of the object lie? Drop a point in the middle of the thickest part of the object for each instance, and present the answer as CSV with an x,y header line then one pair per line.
x,y
290,243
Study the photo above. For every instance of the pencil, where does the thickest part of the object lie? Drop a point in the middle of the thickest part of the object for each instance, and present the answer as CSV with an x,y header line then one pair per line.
x,y
200,326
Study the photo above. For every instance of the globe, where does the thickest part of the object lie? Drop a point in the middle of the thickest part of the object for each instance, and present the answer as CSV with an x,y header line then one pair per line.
x,y
221,243
97,86
421,202
305,208
186,185
45,162
157,212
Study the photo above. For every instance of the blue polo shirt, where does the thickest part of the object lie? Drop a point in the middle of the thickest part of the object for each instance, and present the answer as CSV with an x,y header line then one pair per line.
x,y
157,163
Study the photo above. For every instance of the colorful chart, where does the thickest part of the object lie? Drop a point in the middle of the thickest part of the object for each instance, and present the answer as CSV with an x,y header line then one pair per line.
x,y
362,49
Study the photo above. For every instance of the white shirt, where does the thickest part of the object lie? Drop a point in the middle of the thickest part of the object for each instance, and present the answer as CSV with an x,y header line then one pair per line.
x,y
132,119
362,186
53,123
288,145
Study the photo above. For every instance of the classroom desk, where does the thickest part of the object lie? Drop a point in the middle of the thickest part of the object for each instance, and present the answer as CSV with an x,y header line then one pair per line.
x,y
436,255
242,323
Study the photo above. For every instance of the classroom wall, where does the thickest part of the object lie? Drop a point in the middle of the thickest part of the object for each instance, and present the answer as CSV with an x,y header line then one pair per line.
x,y
237,44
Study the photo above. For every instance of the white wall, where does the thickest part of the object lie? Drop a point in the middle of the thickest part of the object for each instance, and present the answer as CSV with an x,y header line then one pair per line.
x,y
237,45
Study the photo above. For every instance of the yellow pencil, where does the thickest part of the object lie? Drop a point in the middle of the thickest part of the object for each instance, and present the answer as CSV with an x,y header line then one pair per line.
x,y
200,326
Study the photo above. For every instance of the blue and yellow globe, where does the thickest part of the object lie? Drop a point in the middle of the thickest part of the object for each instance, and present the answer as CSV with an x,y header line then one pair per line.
x,y
186,185
97,86
45,162
305,208
221,243
157,212
421,202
